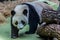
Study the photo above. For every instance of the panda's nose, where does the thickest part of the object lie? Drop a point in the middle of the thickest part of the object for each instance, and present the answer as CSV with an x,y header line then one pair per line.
x,y
16,23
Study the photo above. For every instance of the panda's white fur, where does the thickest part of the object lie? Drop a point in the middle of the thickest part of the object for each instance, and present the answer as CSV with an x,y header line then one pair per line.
x,y
19,16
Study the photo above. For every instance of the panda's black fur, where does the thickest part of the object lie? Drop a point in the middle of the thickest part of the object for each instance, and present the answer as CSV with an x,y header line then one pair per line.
x,y
14,30
33,21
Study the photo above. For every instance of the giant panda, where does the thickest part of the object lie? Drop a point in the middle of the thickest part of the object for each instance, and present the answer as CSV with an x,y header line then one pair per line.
x,y
27,13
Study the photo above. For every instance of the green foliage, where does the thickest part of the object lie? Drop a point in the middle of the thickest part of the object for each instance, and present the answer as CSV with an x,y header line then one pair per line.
x,y
54,5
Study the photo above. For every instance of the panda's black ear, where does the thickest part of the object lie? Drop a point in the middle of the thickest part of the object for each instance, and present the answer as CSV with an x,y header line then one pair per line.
x,y
13,12
25,12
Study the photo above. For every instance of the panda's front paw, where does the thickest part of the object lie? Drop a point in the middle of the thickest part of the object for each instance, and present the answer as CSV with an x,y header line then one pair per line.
x,y
14,37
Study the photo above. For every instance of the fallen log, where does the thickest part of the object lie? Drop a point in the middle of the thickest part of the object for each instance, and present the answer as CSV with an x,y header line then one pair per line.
x,y
49,31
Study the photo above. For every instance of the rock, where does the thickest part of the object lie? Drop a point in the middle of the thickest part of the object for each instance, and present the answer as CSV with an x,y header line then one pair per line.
x,y
50,16
51,30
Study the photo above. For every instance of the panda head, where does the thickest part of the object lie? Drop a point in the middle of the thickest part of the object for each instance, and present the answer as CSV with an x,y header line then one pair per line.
x,y
19,16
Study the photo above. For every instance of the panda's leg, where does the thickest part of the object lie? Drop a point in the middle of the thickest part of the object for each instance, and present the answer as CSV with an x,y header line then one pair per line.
x,y
32,29
14,31
50,38
33,26
45,39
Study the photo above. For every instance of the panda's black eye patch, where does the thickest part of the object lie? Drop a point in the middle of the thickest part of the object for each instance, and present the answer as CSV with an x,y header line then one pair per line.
x,y
16,23
12,12
23,22
25,12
